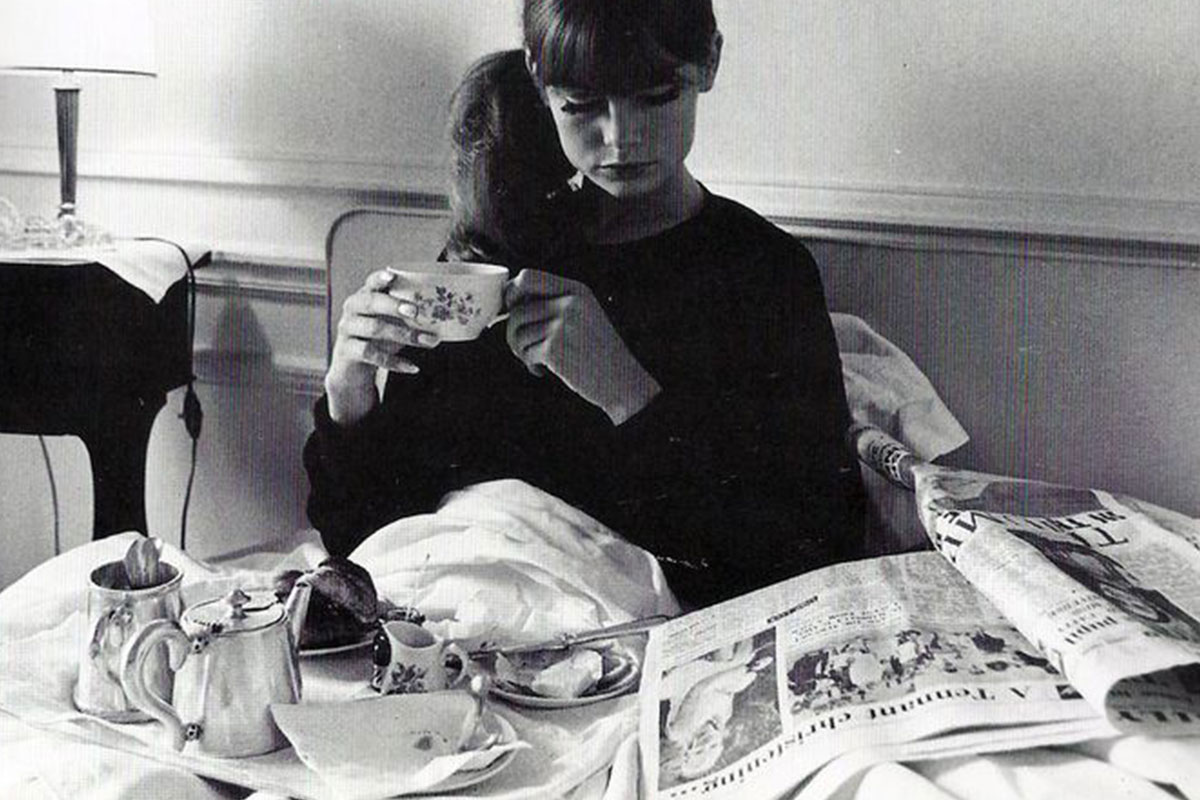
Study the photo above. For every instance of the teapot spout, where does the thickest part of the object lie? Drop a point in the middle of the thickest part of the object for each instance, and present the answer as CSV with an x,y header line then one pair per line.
x,y
297,608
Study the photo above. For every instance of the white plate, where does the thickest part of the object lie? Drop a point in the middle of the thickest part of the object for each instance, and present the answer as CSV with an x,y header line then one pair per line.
x,y
619,679
316,652
469,777
361,736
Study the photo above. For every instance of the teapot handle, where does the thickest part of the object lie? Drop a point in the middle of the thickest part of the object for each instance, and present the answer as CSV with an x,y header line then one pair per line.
x,y
133,679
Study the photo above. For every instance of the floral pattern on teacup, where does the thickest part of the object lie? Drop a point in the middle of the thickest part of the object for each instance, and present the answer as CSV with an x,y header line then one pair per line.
x,y
447,305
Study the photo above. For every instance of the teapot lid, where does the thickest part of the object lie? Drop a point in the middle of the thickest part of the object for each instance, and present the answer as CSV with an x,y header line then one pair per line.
x,y
237,612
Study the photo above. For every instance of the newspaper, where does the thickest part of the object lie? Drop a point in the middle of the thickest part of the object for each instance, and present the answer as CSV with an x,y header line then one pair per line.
x,y
1107,586
1046,614
1111,597
749,697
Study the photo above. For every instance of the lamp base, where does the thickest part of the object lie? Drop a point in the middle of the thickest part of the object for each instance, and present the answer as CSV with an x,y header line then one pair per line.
x,y
38,233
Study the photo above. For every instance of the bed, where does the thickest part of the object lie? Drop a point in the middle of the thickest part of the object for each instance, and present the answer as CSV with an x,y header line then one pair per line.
x,y
506,560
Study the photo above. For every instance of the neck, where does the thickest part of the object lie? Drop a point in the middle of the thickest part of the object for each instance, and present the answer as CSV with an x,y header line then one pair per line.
x,y
628,219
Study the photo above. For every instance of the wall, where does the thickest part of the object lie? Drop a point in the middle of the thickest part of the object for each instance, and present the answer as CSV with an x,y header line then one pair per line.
x,y
897,136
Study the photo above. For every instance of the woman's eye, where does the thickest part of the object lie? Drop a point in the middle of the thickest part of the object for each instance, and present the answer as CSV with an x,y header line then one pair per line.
x,y
661,97
583,105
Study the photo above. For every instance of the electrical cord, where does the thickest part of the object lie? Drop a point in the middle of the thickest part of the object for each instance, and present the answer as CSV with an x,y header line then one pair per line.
x,y
53,493
191,413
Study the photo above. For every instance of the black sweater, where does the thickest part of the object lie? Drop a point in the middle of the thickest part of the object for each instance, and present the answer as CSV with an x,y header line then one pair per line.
x,y
736,475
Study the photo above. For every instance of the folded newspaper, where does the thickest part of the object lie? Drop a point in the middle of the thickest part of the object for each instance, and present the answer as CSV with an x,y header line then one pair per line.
x,y
1047,614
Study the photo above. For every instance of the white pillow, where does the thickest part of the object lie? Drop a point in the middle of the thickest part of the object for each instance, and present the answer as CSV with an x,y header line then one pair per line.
x,y
886,389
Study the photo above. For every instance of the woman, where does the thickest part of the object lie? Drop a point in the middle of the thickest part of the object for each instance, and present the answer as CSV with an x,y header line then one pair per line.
x,y
668,365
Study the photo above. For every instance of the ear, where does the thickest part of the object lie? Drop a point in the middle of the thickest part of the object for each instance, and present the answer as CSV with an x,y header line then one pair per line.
x,y
712,62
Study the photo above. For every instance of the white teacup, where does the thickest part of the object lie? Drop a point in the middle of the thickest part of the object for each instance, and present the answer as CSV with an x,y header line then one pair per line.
x,y
411,659
454,299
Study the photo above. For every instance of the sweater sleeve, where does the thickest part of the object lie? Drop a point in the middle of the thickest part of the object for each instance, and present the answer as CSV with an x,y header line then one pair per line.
x,y
359,479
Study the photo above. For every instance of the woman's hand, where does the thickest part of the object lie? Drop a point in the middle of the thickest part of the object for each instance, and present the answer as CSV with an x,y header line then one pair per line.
x,y
558,325
374,330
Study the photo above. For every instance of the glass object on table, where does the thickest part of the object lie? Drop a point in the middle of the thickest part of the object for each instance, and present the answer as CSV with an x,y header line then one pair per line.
x,y
39,233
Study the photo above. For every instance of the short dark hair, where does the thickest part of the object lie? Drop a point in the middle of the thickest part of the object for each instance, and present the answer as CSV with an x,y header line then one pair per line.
x,y
616,45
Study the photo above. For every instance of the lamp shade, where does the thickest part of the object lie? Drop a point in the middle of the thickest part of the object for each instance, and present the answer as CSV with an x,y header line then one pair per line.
x,y
113,36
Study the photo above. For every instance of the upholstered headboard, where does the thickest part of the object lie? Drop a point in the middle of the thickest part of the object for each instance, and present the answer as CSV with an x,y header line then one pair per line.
x,y
1066,361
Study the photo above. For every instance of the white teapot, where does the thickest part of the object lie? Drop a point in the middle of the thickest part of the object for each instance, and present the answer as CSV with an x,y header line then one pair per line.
x,y
233,657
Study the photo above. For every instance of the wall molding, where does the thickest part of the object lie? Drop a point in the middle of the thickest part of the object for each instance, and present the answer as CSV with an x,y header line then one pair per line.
x,y
1001,244
299,375
888,210
962,211
269,276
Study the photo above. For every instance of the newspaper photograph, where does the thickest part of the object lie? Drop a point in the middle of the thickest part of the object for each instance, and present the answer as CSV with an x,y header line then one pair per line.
x,y
747,698
1107,587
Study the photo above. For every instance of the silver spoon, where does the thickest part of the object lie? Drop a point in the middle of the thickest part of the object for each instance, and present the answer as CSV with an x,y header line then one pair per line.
x,y
473,723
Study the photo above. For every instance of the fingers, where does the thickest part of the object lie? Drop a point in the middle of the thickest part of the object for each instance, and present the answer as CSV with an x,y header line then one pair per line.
x,y
375,327
378,303
385,329
379,281
374,354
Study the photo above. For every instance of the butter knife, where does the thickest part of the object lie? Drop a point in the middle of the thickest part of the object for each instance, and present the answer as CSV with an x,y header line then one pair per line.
x,y
565,640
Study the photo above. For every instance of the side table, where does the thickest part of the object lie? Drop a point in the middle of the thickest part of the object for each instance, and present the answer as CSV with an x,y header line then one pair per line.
x,y
86,353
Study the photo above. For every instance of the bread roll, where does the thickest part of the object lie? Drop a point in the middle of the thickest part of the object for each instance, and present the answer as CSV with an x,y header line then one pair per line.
x,y
343,606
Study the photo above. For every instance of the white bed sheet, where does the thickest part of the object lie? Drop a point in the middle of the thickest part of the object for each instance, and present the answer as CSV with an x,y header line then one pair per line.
x,y
548,550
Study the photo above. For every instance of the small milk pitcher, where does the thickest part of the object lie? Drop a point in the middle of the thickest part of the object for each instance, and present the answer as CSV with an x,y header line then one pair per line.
x,y
409,659
114,613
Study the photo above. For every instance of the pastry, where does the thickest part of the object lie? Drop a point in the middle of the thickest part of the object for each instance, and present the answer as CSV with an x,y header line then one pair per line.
x,y
343,607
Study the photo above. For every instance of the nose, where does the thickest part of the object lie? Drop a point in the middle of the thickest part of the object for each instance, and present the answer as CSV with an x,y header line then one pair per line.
x,y
623,125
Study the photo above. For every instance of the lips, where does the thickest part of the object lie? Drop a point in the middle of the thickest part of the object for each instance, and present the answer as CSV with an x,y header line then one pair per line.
x,y
626,169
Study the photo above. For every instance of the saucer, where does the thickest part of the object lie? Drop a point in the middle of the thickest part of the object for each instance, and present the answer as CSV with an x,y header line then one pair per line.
x,y
469,777
620,675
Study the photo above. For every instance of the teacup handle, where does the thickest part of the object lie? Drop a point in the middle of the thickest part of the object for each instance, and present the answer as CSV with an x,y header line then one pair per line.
x,y
133,678
452,649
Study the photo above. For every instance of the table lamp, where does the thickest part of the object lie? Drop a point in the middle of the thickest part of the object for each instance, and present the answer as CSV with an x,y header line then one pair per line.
x,y
70,37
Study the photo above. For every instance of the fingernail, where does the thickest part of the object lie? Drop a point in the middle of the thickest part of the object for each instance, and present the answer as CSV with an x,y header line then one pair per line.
x,y
406,310
427,339
409,369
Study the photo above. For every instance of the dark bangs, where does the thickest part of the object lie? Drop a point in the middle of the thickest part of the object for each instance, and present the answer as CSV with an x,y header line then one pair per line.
x,y
615,46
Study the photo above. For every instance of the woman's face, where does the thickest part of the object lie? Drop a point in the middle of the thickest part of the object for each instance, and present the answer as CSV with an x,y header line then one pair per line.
x,y
629,145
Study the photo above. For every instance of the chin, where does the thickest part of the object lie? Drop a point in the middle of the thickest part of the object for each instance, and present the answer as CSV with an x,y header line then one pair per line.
x,y
628,188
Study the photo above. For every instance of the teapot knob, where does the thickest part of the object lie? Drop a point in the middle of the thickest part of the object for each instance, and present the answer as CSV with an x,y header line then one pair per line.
x,y
236,600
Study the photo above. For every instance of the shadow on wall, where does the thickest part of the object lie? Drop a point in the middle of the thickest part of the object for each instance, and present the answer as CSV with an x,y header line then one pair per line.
x,y
250,485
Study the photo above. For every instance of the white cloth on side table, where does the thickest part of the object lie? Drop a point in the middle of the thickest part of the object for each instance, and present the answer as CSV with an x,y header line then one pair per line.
x,y
151,266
